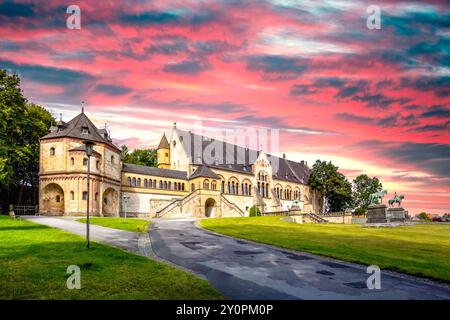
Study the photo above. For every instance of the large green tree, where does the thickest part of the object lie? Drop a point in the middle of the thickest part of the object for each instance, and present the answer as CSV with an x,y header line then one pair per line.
x,y
139,156
336,189
21,126
363,187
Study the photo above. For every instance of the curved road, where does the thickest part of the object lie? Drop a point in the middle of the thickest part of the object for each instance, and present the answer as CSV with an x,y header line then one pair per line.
x,y
245,270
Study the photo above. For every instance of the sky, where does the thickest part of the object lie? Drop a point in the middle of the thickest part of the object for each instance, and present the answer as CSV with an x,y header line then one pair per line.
x,y
372,101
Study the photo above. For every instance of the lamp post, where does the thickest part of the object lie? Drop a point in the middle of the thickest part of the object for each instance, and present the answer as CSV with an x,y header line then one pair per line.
x,y
125,201
89,150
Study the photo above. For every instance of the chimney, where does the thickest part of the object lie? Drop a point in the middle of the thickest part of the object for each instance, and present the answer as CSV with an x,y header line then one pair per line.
x,y
284,155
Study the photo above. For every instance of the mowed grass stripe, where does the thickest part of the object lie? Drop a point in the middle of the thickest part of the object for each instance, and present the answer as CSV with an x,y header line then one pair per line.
x,y
129,224
34,259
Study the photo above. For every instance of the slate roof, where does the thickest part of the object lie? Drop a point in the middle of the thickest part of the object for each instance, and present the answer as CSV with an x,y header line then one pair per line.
x,y
74,129
152,171
164,144
243,158
204,172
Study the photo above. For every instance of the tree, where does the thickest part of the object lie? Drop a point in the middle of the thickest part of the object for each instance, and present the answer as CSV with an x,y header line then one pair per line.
x,y
139,156
22,124
424,216
336,189
363,187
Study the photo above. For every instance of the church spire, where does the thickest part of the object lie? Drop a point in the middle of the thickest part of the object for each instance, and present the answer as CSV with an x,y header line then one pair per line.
x,y
82,106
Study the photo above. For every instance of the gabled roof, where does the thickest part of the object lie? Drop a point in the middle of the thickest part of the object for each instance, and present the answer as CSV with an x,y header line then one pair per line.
x,y
204,172
243,158
74,129
164,144
152,171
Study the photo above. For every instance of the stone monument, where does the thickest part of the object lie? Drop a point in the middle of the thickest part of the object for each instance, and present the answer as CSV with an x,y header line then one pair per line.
x,y
376,212
396,214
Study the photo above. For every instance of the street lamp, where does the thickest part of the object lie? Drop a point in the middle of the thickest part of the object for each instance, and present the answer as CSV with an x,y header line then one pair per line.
x,y
89,150
125,201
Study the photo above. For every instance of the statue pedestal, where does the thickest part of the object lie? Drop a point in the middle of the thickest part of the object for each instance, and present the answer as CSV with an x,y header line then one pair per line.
x,y
376,214
396,214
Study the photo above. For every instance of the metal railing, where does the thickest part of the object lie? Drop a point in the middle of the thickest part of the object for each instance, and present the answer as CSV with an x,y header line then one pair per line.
x,y
25,210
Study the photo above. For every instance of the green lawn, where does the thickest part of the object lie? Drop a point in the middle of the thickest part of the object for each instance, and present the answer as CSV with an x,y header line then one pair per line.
x,y
422,250
129,224
34,259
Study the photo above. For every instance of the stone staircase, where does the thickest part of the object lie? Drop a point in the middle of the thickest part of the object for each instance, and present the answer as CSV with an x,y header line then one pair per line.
x,y
231,206
178,203
315,218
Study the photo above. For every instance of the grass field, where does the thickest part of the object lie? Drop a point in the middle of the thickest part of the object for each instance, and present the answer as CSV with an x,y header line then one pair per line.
x,y
129,224
422,250
34,260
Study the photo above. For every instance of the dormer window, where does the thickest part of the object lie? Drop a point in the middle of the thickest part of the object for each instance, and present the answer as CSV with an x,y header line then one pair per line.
x,y
84,129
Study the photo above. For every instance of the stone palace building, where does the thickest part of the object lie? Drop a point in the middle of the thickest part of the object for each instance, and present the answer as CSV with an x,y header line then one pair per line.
x,y
183,185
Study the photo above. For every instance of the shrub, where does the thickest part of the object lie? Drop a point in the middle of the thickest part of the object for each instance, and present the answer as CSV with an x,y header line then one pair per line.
x,y
254,211
424,216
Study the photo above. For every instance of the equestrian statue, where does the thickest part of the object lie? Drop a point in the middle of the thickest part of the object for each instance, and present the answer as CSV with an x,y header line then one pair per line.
x,y
397,199
377,197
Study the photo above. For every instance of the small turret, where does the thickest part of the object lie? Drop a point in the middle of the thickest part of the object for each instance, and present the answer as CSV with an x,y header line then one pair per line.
x,y
163,153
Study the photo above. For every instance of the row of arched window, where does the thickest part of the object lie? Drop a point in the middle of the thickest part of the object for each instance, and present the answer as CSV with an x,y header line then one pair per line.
x,y
286,194
156,184
72,161
84,196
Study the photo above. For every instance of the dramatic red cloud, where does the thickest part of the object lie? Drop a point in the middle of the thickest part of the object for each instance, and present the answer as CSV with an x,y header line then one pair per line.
x,y
371,101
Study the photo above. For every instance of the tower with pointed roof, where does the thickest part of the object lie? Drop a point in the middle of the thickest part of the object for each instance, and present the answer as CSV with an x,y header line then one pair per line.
x,y
63,170
163,153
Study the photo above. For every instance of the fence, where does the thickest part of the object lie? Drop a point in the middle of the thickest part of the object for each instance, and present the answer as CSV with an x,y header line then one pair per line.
x,y
275,213
25,210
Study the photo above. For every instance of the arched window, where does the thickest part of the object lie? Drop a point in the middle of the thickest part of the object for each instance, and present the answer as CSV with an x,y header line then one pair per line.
x,y
58,198
145,183
160,184
206,184
192,187
85,162
169,185
229,187
112,159
96,196
72,161
97,164
84,195
138,184
165,185
214,185
52,151
222,188
182,187
154,184
72,195
133,183
129,181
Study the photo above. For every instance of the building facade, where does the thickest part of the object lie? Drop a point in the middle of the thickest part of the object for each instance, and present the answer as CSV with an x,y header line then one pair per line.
x,y
196,176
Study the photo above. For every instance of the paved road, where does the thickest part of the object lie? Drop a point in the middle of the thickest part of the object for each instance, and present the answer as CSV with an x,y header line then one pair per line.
x,y
130,241
244,270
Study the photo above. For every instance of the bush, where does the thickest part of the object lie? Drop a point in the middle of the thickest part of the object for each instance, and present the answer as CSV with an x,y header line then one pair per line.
x,y
254,211
424,216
